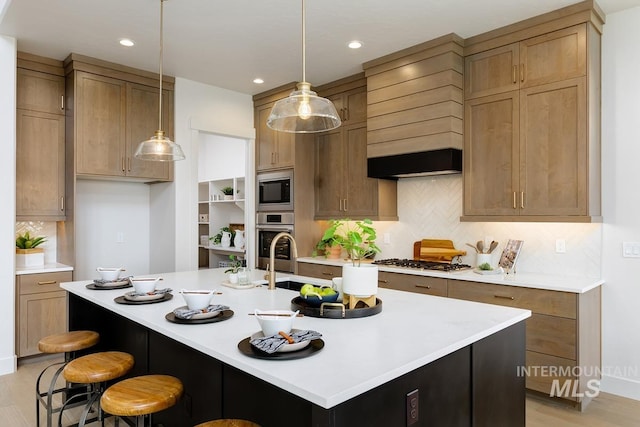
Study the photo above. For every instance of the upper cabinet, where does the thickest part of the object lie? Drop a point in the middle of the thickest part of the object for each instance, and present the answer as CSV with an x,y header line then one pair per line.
x,y
113,110
274,150
532,135
40,133
342,187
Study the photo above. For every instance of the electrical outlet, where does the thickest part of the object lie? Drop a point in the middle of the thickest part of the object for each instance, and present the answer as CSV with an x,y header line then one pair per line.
x,y
412,407
119,237
386,238
561,246
631,249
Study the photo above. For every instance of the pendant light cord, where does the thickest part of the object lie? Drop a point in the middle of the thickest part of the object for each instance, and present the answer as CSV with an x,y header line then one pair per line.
x,y
304,61
161,45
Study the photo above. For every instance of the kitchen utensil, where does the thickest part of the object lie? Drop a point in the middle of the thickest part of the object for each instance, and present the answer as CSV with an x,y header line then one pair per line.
x,y
492,246
480,246
474,248
438,250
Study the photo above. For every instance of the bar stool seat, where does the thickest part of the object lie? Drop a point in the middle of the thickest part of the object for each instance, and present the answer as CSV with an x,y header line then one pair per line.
x,y
95,370
141,396
228,423
68,343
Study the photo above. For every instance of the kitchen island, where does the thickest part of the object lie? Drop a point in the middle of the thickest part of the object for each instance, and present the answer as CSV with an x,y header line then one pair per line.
x,y
461,356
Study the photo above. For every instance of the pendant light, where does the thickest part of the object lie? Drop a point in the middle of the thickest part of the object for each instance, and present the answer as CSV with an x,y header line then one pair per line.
x,y
303,111
159,147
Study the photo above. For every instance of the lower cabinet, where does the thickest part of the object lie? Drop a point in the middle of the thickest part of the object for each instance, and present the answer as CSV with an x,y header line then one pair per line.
x,y
41,309
413,283
320,271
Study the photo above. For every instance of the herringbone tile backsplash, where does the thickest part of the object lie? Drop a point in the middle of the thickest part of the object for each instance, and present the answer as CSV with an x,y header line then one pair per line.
x,y
430,207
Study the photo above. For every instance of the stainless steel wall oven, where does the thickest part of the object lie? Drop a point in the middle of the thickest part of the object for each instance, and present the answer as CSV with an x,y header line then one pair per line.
x,y
268,225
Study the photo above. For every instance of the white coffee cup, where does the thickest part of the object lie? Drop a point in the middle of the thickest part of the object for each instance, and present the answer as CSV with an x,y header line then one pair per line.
x,y
337,285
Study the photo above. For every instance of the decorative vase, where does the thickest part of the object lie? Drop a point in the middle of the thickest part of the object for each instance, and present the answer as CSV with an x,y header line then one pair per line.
x,y
333,252
239,240
226,239
228,197
360,281
29,257
483,258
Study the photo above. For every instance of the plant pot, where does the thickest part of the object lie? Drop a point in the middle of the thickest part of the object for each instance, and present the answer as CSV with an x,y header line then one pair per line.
x,y
29,257
228,197
233,278
333,252
360,281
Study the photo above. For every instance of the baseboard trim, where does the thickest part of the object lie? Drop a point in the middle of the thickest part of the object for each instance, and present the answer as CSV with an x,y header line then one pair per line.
x,y
620,386
8,365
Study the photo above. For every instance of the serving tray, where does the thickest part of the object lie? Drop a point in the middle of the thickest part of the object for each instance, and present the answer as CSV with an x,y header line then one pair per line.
x,y
334,310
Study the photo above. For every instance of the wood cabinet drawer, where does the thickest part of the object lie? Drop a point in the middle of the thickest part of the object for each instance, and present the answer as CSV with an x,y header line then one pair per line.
x,y
43,282
552,335
553,303
543,369
319,271
413,283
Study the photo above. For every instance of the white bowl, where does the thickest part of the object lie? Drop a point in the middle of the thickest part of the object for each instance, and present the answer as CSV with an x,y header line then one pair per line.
x,y
271,325
197,299
144,285
109,274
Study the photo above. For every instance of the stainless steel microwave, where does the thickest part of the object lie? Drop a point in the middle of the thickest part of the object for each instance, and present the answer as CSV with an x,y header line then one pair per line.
x,y
275,191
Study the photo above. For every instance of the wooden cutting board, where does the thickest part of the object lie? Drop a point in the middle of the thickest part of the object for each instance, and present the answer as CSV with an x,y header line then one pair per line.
x,y
438,250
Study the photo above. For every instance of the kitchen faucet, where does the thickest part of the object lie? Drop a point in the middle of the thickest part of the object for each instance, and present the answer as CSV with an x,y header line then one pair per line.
x,y
272,256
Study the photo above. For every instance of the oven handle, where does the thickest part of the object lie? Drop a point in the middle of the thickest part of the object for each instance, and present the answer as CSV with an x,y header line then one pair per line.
x,y
275,227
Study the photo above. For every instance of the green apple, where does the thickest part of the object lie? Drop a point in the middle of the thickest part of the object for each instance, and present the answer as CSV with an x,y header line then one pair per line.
x,y
306,288
327,292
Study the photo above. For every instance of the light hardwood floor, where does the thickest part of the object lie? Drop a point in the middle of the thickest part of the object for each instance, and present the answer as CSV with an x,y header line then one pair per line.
x,y
17,405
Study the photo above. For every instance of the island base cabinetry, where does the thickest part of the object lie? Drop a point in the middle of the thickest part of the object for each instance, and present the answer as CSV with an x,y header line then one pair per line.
x,y
475,385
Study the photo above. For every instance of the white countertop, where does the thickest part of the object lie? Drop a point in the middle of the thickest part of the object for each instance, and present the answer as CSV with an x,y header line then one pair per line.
x,y
46,268
372,350
527,280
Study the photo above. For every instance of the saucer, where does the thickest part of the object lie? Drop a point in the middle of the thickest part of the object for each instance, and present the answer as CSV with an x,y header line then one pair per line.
x,y
117,284
286,348
247,349
201,315
131,296
224,315
122,300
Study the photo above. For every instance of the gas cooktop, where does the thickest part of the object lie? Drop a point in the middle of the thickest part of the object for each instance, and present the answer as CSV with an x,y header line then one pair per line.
x,y
422,265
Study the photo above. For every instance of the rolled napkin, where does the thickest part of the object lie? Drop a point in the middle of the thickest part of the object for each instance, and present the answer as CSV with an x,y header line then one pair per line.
x,y
106,283
185,313
156,292
272,343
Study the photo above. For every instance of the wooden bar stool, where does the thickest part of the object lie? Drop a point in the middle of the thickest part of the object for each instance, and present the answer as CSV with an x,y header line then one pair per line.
x,y
94,370
228,423
68,343
141,396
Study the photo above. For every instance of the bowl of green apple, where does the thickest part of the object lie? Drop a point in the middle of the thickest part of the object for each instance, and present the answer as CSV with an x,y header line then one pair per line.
x,y
316,295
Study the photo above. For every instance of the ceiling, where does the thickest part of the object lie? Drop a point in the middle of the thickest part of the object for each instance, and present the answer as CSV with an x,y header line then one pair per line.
x,y
229,43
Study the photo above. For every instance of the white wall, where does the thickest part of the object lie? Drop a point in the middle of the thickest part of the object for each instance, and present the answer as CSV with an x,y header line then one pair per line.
x,y
621,202
220,157
103,210
8,202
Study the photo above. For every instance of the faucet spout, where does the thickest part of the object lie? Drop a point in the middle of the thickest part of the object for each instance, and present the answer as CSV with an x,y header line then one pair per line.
x,y
272,256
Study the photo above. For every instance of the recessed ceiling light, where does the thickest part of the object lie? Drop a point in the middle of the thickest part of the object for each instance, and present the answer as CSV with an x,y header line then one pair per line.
x,y
258,81
355,44
126,42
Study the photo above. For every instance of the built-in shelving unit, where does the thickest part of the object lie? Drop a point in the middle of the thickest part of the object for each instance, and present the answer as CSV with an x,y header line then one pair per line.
x,y
216,210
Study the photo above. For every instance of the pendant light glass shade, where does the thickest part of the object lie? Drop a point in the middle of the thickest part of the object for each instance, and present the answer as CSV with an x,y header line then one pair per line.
x,y
303,111
159,148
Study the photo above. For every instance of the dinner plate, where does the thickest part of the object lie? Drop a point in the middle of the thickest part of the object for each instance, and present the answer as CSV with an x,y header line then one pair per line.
x,y
201,315
223,315
132,296
247,349
287,347
122,300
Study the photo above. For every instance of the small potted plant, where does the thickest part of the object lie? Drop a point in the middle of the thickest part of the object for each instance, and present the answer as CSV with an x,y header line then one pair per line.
x,y
360,279
331,242
235,265
228,193
28,254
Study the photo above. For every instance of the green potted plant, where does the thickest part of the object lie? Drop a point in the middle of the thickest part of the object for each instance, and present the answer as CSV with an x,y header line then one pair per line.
x,y
234,266
228,193
358,278
28,254
331,242
217,239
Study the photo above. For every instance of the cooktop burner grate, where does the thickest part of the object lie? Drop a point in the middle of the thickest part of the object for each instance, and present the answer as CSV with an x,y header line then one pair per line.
x,y
423,265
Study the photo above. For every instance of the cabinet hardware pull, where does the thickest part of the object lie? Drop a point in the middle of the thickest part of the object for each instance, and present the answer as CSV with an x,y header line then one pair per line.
x,y
515,71
123,164
382,281
48,282
62,203
345,205
504,297
417,285
324,273
340,208
62,102
346,114
522,72
129,164
514,201
522,200
342,114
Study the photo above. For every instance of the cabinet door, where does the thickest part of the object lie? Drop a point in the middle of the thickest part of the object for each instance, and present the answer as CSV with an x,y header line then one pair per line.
x,y
553,57
40,315
40,165
361,191
356,106
142,122
491,155
491,72
329,175
100,125
40,92
553,149
274,150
